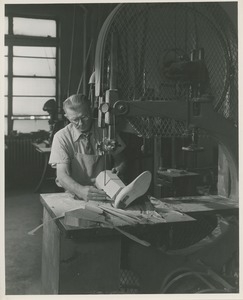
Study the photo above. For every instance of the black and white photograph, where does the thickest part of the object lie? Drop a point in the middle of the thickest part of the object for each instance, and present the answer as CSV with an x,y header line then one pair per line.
x,y
120,129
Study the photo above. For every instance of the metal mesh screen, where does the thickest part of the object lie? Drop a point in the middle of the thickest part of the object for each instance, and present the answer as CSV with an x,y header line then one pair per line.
x,y
227,105
151,34
153,126
129,282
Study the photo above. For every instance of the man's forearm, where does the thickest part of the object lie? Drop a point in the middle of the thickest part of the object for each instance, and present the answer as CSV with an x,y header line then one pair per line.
x,y
86,193
69,184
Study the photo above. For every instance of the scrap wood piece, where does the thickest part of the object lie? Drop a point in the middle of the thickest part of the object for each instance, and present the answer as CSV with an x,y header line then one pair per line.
x,y
62,215
99,214
153,217
106,222
91,215
137,216
117,213
142,217
83,217
132,214
100,218
129,220
155,214
32,232
146,212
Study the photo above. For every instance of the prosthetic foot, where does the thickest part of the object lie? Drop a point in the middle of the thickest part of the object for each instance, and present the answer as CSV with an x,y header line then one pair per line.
x,y
121,194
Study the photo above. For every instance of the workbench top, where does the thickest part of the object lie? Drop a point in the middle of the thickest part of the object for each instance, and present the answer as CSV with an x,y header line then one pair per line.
x,y
59,203
197,204
42,147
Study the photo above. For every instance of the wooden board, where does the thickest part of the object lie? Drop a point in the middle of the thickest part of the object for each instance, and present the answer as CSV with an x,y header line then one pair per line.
x,y
83,218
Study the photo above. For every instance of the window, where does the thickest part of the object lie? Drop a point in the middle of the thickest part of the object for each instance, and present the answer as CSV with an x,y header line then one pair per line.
x,y
31,48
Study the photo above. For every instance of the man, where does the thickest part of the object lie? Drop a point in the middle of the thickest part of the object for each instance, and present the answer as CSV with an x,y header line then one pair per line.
x,y
74,152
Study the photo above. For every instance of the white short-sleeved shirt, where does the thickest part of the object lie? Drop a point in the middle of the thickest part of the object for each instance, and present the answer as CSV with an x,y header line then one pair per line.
x,y
68,141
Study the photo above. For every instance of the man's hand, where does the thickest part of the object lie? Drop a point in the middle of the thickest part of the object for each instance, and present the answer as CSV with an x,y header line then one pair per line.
x,y
92,193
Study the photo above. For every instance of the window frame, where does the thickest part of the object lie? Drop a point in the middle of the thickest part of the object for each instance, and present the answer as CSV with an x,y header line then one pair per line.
x,y
12,40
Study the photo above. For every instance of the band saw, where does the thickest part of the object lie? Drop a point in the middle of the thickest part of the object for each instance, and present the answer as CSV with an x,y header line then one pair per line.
x,y
170,70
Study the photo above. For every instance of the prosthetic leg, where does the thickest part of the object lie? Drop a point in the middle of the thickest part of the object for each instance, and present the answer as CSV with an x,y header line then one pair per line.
x,y
117,191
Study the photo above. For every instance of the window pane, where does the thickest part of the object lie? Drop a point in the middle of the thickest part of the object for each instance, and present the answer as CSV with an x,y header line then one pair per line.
x,y
34,51
34,87
34,66
30,125
5,86
34,27
5,126
5,106
6,25
5,60
5,65
29,106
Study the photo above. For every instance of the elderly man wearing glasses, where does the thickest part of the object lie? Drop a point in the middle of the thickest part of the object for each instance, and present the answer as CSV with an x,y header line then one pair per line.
x,y
74,151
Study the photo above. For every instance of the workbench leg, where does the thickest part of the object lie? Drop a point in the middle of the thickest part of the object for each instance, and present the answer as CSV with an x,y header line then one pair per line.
x,y
50,256
82,265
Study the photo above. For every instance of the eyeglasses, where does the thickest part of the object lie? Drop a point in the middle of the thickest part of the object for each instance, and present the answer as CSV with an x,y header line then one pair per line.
x,y
78,119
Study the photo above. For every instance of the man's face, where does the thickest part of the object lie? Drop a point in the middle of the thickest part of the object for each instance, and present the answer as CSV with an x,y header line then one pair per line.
x,y
80,118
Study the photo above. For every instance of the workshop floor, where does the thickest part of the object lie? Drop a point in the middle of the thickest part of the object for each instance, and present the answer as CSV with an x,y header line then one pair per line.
x,y
23,212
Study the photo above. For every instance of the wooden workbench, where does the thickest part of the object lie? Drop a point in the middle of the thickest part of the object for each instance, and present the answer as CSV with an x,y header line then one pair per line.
x,y
85,260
